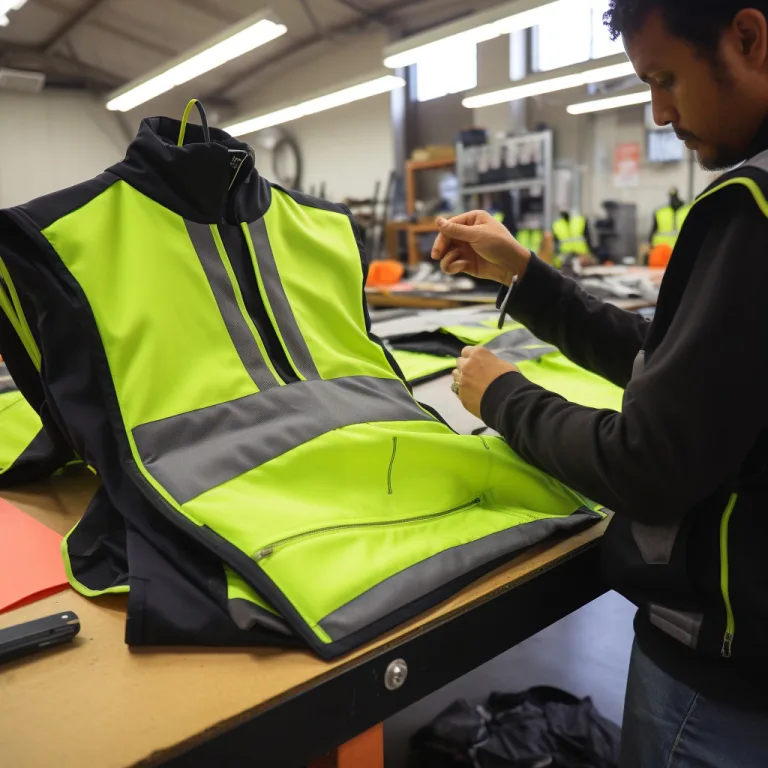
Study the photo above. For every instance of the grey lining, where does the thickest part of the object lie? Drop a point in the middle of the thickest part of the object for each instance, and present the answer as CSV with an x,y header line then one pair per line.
x,y
191,453
682,625
281,307
248,615
434,572
224,293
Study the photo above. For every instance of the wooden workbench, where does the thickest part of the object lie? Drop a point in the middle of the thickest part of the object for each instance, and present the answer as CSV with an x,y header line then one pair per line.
x,y
97,703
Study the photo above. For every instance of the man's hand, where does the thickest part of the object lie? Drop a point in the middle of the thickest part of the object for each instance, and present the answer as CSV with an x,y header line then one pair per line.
x,y
476,370
481,246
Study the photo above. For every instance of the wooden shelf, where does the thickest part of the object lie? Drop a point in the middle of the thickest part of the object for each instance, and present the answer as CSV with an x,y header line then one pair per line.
x,y
427,165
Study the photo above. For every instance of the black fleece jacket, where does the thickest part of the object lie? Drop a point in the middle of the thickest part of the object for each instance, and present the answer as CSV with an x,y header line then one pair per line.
x,y
691,416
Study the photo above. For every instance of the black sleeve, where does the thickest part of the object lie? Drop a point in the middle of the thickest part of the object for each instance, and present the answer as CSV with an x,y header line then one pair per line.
x,y
690,419
595,335
654,228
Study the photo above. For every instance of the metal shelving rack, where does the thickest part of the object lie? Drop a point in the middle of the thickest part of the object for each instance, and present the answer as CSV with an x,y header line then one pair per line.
x,y
544,178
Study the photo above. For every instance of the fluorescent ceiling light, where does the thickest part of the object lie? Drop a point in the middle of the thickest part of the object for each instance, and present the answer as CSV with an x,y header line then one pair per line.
x,y
9,5
614,102
319,104
235,42
476,28
540,85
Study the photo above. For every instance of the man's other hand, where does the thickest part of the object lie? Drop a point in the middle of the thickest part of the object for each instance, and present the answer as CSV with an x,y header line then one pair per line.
x,y
476,370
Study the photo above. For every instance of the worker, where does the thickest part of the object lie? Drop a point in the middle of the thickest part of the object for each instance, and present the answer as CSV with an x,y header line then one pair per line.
x,y
531,239
668,220
572,239
684,465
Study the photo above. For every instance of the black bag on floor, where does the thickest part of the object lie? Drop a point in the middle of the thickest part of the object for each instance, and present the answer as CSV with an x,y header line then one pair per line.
x,y
539,728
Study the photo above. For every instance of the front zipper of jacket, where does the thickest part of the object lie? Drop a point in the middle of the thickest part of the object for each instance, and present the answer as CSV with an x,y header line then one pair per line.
x,y
273,347
730,622
270,549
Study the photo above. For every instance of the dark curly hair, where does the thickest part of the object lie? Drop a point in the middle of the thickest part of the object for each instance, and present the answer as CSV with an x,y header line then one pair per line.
x,y
700,22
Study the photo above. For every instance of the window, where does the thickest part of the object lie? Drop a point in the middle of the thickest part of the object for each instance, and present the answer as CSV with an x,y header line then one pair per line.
x,y
572,36
451,69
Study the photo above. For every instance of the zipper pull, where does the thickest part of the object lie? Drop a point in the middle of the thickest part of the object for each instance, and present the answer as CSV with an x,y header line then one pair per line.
x,y
725,651
263,554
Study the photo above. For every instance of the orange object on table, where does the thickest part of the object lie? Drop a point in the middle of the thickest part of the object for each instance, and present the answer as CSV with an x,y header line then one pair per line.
x,y
659,256
386,272
31,567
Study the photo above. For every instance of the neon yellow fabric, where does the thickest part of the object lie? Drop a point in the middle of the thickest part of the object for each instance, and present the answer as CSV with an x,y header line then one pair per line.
x,y
336,336
557,373
668,225
373,545
19,425
133,291
571,235
531,239
416,365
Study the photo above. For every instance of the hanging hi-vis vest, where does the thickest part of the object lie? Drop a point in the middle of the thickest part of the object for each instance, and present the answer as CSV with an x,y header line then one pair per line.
x,y
571,235
669,222
530,239
246,425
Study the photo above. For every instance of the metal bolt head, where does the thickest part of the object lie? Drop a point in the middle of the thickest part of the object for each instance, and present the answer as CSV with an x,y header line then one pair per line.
x,y
396,675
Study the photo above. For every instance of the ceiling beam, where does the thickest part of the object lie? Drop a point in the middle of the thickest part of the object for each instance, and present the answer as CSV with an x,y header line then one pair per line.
x,y
71,24
306,42
313,20
373,16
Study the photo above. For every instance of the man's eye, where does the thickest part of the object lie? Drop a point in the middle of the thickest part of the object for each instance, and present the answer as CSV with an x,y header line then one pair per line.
x,y
666,83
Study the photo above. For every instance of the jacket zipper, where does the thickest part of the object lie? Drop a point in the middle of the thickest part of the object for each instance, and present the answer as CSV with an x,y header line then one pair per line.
x,y
270,549
274,345
730,623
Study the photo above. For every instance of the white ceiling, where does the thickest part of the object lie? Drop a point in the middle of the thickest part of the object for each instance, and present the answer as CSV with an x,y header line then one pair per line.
x,y
102,44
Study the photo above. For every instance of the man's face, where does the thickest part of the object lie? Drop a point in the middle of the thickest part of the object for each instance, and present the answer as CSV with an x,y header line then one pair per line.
x,y
716,105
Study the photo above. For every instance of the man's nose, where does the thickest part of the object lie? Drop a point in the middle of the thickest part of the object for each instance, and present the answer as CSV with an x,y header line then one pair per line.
x,y
664,110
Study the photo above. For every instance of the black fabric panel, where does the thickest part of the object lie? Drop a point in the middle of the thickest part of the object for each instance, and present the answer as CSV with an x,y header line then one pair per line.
x,y
430,343
49,208
97,546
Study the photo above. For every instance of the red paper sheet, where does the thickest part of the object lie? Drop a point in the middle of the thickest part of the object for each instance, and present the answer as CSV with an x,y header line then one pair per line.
x,y
31,567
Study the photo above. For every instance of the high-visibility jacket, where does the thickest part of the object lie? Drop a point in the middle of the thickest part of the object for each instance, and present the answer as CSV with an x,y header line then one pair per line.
x,y
257,445
571,235
669,222
423,354
530,239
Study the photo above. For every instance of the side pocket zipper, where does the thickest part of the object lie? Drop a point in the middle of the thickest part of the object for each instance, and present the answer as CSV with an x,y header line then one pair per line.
x,y
730,623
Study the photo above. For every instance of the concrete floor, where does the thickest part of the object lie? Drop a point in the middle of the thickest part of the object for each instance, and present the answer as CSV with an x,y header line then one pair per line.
x,y
587,654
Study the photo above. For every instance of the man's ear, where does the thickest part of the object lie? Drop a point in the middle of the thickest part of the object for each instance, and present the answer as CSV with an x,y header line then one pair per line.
x,y
751,31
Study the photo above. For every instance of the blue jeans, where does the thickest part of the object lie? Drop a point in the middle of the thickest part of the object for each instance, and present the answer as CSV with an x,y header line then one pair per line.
x,y
668,725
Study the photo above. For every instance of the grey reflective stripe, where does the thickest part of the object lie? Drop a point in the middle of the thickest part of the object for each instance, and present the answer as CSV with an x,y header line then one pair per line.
x,y
224,293
682,625
247,615
515,356
655,542
521,337
435,572
6,382
759,161
191,453
298,351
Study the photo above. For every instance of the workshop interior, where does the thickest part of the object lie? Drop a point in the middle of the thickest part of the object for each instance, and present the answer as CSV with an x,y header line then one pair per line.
x,y
249,513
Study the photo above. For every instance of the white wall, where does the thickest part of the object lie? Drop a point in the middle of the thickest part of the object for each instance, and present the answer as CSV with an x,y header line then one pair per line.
x,y
348,148
51,141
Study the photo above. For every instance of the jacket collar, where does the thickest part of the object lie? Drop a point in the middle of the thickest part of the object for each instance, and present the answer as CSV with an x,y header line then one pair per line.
x,y
195,180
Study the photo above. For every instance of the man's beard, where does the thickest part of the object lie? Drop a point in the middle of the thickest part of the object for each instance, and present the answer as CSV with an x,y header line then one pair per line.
x,y
723,160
